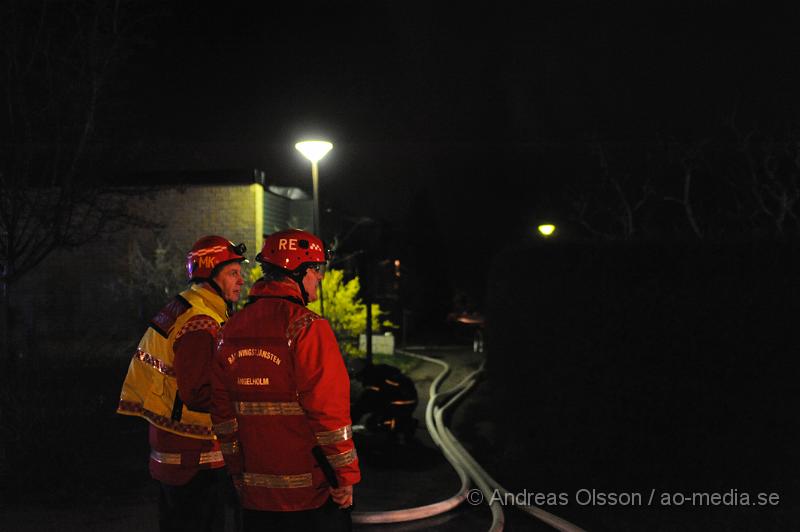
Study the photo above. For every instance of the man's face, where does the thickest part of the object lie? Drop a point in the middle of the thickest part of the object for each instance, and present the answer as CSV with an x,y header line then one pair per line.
x,y
313,277
230,281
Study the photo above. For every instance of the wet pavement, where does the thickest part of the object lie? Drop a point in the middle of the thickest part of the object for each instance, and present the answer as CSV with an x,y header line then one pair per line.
x,y
398,475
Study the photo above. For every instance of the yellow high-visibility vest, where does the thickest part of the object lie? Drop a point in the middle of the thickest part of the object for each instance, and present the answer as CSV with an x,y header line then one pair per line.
x,y
150,387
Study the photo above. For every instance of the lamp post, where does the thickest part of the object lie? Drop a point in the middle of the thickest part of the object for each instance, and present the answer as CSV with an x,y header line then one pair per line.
x,y
314,150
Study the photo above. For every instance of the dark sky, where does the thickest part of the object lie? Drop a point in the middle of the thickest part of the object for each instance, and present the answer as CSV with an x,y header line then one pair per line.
x,y
388,72
447,102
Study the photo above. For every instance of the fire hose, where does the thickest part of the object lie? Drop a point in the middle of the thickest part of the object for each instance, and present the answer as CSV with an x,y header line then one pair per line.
x,y
468,470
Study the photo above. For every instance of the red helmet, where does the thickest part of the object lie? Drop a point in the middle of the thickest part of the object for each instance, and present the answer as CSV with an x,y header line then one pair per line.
x,y
291,248
209,253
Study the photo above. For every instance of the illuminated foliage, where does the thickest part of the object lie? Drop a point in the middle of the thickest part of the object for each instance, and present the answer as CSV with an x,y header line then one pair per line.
x,y
345,311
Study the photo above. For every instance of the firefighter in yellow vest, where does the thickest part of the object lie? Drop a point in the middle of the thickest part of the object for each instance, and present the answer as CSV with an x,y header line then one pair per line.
x,y
168,384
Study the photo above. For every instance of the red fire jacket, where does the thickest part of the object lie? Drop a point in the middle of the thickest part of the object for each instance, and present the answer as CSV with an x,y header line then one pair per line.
x,y
168,384
279,388
193,354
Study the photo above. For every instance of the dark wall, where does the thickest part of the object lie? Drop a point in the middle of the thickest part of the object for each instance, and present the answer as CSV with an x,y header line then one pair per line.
x,y
675,360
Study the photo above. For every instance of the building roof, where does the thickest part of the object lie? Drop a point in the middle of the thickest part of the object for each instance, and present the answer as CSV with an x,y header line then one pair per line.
x,y
292,193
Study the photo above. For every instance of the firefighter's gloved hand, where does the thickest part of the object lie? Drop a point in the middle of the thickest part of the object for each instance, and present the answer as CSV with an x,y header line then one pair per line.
x,y
342,496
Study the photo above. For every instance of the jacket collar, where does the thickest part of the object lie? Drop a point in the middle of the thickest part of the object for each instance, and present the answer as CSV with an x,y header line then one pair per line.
x,y
211,298
282,288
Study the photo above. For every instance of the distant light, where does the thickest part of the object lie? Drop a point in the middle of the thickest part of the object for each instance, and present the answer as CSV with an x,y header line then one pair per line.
x,y
396,263
547,229
313,150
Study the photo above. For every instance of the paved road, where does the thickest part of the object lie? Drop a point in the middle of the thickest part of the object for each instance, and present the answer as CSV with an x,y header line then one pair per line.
x,y
401,476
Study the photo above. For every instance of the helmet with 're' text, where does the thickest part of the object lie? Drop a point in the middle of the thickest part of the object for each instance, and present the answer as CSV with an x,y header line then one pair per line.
x,y
292,248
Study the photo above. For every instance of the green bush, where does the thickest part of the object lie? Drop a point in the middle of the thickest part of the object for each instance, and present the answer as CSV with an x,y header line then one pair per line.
x,y
346,312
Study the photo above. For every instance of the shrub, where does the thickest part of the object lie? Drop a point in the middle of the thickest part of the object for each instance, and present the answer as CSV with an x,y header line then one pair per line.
x,y
345,311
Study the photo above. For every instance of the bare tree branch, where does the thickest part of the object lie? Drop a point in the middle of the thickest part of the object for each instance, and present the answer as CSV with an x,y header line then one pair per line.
x,y
56,56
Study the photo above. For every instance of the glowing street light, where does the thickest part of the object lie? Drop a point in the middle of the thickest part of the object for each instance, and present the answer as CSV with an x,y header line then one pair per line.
x,y
546,230
314,150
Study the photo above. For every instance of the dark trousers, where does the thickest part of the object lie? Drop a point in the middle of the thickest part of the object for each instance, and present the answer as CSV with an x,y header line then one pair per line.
x,y
198,506
327,518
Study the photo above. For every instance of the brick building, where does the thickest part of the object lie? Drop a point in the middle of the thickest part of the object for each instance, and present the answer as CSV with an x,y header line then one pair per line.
x,y
103,283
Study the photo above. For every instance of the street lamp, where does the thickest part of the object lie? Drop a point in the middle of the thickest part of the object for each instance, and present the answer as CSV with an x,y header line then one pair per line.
x,y
314,150
546,230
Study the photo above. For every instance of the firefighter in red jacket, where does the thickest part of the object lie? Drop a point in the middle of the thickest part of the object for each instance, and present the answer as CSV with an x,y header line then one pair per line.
x,y
281,398
169,384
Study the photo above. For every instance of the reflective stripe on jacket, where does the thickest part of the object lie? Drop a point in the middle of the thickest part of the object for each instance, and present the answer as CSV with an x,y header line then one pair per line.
x,y
280,388
150,387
